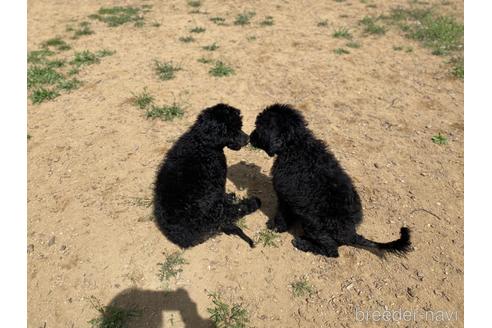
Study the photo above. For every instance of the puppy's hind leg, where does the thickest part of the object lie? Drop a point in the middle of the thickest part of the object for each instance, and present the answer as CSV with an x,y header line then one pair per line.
x,y
235,230
323,245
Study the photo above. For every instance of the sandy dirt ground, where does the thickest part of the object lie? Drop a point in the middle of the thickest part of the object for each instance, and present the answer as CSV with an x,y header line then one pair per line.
x,y
92,158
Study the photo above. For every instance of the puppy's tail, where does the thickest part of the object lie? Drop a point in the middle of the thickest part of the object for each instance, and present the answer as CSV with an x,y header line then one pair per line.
x,y
398,247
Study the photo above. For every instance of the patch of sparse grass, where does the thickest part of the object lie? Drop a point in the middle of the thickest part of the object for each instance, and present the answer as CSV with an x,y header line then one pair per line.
x,y
442,34
342,32
187,39
104,53
353,44
204,60
371,27
41,94
165,113
73,71
165,70
58,43
341,51
55,63
218,20
397,48
458,69
143,99
39,75
251,38
84,58
116,16
220,69
194,3
38,56
111,317
197,30
224,315
83,29
301,287
323,23
268,238
68,85
211,47
244,18
440,139
268,21
171,266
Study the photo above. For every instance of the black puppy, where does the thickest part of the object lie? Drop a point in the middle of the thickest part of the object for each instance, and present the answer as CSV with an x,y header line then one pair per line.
x,y
190,203
312,187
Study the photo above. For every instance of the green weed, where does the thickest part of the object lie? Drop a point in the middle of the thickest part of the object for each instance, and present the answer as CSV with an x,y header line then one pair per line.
x,y
211,47
268,238
220,69
341,51
143,99
187,39
112,317
165,70
40,95
371,27
301,287
218,20
197,30
440,139
84,58
342,32
244,18
171,266
268,21
224,315
165,113
116,16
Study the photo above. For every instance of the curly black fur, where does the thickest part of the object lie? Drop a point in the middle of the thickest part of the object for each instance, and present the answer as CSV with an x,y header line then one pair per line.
x,y
312,188
190,202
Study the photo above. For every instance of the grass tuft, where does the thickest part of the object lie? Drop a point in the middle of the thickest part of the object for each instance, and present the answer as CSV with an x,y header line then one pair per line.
x,y
458,68
268,21
244,18
268,238
83,29
371,27
38,56
224,315
84,58
41,94
143,99
38,75
111,316
58,43
218,20
104,53
116,16
211,47
187,39
301,287
171,266
194,3
220,69
342,32
197,30
440,139
323,23
165,113
68,85
165,70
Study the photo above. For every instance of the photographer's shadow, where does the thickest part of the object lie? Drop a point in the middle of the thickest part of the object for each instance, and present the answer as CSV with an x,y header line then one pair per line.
x,y
249,176
150,307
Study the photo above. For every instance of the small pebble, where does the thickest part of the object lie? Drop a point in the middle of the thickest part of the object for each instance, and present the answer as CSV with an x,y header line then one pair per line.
x,y
51,242
30,248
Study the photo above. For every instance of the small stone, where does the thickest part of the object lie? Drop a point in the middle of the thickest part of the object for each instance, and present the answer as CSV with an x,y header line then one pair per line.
x,y
376,165
410,292
63,247
30,248
51,242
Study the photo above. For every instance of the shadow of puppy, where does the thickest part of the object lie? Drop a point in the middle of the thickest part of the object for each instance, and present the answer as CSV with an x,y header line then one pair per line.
x,y
249,176
150,307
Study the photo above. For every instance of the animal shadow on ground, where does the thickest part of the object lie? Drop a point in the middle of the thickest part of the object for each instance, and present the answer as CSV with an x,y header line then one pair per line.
x,y
249,176
150,306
